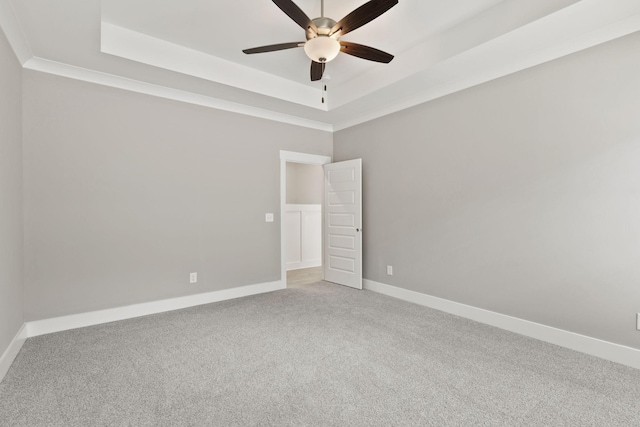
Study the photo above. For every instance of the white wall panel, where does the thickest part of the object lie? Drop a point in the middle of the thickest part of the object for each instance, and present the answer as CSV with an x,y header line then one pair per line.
x,y
303,236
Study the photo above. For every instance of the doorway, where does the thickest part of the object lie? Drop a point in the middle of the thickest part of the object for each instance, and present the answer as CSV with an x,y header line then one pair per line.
x,y
301,199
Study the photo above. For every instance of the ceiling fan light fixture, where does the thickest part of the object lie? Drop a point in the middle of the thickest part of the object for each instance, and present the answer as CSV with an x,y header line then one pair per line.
x,y
323,33
322,48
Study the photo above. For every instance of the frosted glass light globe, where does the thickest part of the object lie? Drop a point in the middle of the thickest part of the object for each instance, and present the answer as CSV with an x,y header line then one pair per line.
x,y
322,48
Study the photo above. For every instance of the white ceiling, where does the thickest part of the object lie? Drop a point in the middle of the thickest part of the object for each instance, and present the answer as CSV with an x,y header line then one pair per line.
x,y
223,29
191,50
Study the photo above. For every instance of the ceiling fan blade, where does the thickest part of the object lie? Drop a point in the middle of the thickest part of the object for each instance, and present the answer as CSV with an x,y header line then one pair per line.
x,y
365,52
317,70
295,13
362,15
273,47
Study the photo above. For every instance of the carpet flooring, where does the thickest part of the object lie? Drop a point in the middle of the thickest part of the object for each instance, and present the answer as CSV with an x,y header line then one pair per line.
x,y
313,355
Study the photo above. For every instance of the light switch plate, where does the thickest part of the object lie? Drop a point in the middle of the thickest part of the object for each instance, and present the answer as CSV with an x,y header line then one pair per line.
x,y
638,321
389,270
268,217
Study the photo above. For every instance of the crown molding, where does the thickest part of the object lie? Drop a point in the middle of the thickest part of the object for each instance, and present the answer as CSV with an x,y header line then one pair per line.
x,y
13,31
584,24
135,46
104,79
484,28
527,59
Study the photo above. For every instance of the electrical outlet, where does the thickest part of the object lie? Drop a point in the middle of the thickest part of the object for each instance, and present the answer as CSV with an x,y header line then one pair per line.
x,y
638,321
268,217
193,278
389,270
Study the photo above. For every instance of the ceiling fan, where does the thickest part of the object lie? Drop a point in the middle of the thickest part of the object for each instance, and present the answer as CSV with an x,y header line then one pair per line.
x,y
323,34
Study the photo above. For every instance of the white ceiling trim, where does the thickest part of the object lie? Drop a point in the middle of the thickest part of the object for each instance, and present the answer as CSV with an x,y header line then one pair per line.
x,y
135,46
13,31
92,76
489,26
431,75
485,71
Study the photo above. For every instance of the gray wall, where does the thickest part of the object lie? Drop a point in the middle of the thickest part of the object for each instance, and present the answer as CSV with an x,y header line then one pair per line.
x,y
305,184
125,194
520,196
10,194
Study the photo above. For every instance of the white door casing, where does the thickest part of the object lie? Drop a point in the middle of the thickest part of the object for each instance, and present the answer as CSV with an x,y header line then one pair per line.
x,y
343,223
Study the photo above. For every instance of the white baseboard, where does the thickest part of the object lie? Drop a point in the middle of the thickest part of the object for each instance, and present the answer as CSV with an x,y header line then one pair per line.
x,y
582,343
12,351
74,321
305,264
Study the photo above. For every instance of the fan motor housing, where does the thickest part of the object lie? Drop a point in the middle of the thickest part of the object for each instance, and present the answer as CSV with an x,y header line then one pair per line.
x,y
324,25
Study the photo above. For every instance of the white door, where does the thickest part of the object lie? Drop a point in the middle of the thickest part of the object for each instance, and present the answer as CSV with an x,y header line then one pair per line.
x,y
343,223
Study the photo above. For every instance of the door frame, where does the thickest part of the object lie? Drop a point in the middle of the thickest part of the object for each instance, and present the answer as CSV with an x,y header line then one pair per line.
x,y
293,157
